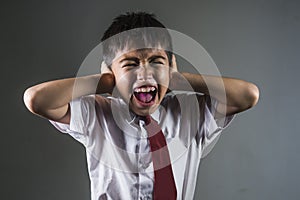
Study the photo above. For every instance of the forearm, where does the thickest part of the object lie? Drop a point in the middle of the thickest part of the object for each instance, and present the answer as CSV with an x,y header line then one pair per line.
x,y
58,93
230,91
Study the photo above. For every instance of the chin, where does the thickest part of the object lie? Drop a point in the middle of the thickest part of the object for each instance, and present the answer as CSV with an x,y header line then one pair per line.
x,y
143,111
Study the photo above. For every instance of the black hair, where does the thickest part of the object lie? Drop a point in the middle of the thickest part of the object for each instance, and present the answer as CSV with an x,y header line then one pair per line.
x,y
135,23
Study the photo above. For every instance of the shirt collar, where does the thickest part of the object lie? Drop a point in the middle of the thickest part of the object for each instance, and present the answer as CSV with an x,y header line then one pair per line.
x,y
125,114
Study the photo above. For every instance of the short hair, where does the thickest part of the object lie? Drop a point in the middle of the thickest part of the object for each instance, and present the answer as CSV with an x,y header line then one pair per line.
x,y
139,34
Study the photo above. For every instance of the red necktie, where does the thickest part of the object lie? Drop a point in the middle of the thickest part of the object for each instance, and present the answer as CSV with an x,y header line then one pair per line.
x,y
164,183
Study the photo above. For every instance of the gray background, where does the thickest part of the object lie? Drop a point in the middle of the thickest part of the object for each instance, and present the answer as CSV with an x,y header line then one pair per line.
x,y
257,40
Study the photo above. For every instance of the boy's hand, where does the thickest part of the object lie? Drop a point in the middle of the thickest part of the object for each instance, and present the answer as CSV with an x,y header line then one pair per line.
x,y
106,83
105,69
174,64
177,80
175,76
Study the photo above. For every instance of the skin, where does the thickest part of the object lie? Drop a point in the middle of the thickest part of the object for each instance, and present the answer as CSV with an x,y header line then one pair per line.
x,y
141,68
51,99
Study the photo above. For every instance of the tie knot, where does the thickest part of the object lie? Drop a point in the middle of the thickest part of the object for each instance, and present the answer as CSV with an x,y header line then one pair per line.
x,y
146,119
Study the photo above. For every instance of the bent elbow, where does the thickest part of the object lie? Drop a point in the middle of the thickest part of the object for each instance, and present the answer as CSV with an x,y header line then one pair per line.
x,y
252,95
30,100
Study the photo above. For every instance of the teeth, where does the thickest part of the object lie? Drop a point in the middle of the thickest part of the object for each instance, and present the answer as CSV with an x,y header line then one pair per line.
x,y
145,89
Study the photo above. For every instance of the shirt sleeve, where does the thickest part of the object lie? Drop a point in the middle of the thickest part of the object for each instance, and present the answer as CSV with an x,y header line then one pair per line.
x,y
81,112
212,127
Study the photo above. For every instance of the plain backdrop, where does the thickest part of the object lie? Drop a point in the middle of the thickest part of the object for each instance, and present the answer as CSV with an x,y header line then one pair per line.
x,y
256,158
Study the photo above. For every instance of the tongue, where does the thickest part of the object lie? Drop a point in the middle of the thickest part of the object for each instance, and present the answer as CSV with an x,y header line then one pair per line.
x,y
144,97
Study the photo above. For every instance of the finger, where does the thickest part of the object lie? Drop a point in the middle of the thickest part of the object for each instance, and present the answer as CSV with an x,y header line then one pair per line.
x,y
174,64
105,68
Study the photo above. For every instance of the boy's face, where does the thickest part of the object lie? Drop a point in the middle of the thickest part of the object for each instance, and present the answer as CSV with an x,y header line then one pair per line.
x,y
142,78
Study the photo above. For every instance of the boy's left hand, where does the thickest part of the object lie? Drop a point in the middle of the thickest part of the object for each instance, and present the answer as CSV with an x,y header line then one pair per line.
x,y
175,76
177,79
174,64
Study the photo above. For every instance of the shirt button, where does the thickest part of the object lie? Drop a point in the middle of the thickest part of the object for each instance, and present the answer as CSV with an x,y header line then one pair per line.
x,y
144,165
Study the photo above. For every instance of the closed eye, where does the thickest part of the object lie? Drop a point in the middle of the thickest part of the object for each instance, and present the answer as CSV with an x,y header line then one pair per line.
x,y
130,65
157,60
157,63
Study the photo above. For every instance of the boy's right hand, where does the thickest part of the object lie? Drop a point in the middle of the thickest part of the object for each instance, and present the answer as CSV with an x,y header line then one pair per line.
x,y
105,69
106,83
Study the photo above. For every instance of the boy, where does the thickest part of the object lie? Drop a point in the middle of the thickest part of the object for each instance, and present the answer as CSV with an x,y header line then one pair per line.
x,y
143,141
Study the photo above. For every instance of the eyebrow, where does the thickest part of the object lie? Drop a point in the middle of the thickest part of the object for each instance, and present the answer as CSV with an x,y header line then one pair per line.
x,y
157,57
135,59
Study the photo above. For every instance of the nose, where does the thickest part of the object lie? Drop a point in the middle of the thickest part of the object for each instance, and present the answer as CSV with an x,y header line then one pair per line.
x,y
145,72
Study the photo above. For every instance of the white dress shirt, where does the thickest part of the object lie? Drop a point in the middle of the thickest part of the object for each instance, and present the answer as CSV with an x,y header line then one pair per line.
x,y
118,152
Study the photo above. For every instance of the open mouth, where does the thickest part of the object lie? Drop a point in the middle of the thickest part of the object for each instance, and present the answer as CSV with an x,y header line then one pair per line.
x,y
145,94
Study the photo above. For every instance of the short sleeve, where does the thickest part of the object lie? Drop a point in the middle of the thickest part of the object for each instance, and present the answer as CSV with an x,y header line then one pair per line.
x,y
81,112
212,126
